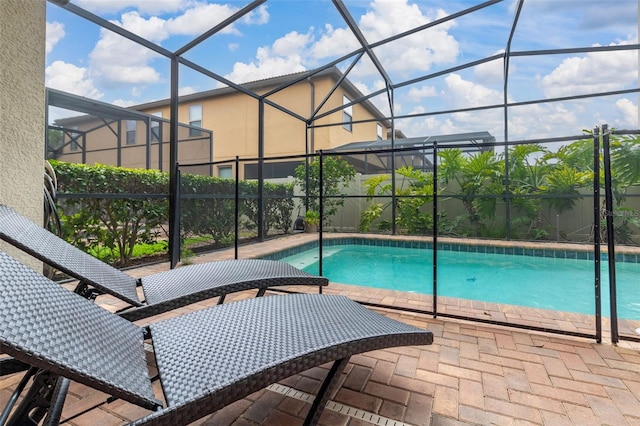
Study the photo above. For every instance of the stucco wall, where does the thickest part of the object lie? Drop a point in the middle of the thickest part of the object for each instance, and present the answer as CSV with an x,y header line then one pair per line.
x,y
233,118
22,53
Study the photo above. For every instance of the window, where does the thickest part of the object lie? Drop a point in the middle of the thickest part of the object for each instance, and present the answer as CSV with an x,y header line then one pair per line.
x,y
195,119
347,113
225,172
379,131
155,127
74,146
131,132
271,170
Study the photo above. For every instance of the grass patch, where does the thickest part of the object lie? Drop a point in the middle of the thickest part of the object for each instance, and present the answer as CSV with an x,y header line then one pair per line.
x,y
140,250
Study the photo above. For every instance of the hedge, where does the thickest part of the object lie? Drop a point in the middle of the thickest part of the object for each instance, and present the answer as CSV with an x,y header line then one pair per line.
x,y
207,208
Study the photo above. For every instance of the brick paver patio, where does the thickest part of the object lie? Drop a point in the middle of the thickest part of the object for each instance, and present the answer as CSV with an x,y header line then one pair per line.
x,y
472,374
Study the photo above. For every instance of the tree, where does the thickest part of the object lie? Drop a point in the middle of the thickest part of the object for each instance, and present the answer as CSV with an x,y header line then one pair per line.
x,y
574,169
55,139
476,175
527,180
337,174
412,195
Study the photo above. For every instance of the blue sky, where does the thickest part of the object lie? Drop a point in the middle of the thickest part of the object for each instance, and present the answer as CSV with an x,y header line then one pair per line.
x,y
286,36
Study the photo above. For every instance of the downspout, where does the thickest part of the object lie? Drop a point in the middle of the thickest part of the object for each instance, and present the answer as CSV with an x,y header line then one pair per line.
x,y
147,121
313,103
118,147
310,142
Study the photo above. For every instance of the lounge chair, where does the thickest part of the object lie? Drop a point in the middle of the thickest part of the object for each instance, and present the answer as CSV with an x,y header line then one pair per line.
x,y
163,291
206,359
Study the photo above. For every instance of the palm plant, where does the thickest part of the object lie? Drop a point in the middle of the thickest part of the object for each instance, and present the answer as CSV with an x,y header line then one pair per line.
x,y
51,219
527,179
50,189
575,169
412,195
476,175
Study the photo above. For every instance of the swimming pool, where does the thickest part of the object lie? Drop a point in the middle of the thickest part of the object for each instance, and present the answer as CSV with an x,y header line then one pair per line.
x,y
540,282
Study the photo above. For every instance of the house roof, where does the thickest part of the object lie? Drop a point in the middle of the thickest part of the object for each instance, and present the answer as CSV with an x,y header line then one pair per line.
x,y
93,108
379,161
476,138
270,83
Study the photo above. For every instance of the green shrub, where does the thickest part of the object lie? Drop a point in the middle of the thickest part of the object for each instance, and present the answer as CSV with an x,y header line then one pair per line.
x,y
207,207
278,207
337,174
111,223
114,228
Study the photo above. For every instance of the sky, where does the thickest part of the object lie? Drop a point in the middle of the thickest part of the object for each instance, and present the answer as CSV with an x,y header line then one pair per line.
x,y
287,36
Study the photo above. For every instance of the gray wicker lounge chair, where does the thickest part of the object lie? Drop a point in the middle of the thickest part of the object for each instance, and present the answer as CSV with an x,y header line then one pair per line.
x,y
205,359
163,291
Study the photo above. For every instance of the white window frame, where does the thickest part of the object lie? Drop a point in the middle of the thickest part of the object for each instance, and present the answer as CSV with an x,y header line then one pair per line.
x,y
155,127
347,114
224,170
130,134
195,119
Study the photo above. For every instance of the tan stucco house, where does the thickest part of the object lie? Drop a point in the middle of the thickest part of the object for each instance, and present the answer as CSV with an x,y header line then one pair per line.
x,y
225,123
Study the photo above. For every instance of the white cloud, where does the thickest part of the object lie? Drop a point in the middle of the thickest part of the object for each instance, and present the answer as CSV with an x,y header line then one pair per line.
x,y
285,56
124,103
258,16
463,93
153,29
384,19
629,112
411,53
362,87
116,60
55,33
592,73
542,120
380,101
201,18
416,94
186,90
266,66
334,42
144,6
491,72
526,122
291,43
70,78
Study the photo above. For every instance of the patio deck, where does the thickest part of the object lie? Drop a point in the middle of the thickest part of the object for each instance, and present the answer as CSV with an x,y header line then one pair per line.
x,y
472,374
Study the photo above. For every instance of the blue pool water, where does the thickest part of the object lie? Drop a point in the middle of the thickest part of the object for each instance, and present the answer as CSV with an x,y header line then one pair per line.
x,y
539,282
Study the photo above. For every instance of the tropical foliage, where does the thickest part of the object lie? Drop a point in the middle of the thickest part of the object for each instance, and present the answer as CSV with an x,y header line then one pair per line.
x,y
412,196
532,181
